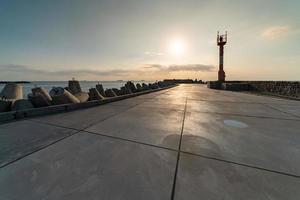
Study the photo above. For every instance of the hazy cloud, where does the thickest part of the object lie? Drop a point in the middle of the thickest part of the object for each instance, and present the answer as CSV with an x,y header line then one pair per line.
x,y
150,71
23,71
149,53
187,67
274,32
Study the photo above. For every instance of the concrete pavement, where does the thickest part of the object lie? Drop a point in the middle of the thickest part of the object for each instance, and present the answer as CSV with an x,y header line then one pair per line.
x,y
187,142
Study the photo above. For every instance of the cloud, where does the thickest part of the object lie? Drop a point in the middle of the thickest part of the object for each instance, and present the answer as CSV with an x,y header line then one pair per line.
x,y
186,67
274,32
148,71
27,69
154,67
153,54
192,67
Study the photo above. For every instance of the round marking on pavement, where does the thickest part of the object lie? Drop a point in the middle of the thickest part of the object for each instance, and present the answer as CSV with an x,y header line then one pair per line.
x,y
235,123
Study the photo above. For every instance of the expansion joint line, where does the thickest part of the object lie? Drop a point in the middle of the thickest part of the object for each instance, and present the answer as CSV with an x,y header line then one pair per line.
x,y
77,131
287,113
178,153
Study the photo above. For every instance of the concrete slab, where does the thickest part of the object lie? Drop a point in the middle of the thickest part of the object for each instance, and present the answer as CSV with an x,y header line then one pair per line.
x,y
18,139
87,166
247,109
178,103
291,109
267,143
201,178
155,126
129,102
172,95
81,119
150,95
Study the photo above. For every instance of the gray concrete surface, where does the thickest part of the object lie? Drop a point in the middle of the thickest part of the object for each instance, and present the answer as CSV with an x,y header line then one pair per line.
x,y
202,178
83,118
17,139
187,142
160,126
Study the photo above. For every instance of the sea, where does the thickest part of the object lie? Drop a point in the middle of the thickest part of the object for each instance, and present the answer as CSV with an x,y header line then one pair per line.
x,y
85,85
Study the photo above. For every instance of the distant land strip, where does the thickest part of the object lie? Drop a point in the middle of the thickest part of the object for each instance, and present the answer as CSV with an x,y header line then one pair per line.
x,y
5,82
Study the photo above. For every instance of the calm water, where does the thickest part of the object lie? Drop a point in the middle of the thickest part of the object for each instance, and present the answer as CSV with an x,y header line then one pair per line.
x,y
85,85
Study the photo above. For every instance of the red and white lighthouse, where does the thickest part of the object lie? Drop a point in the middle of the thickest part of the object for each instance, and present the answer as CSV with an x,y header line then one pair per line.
x,y
221,41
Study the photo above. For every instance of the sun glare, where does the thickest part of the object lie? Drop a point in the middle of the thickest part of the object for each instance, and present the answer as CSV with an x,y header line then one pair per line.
x,y
177,47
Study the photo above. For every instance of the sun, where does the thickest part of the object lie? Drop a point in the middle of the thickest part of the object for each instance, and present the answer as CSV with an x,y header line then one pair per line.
x,y
177,47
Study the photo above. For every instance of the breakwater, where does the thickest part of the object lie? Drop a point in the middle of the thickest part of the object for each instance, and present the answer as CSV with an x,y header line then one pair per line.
x,y
280,88
85,85
289,89
40,102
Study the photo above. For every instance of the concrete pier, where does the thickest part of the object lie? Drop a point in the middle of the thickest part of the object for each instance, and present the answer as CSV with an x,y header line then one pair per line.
x,y
187,142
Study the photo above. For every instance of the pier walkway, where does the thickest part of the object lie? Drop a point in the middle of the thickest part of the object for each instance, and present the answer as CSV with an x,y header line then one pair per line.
x,y
183,143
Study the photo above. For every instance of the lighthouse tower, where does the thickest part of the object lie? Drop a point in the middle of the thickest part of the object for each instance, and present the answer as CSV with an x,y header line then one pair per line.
x,y
221,41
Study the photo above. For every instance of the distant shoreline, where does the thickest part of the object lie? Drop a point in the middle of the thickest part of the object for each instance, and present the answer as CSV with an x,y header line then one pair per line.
x,y
5,82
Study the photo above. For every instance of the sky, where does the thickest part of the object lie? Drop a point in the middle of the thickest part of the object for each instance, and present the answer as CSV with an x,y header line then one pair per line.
x,y
148,39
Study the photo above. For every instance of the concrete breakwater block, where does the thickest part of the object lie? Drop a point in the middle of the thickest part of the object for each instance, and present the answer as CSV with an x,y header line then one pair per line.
x,y
94,94
75,89
145,86
100,89
236,86
162,84
12,91
82,96
153,86
21,104
124,91
74,86
131,87
139,87
9,94
61,96
40,97
5,105
43,92
117,91
110,93
38,100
